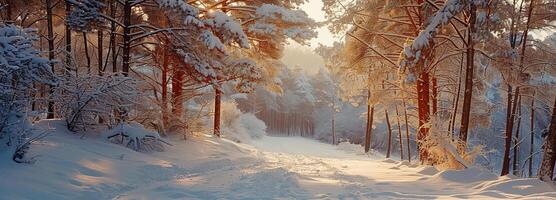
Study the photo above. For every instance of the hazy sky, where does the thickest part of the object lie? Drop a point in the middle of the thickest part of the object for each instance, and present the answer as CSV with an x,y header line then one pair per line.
x,y
314,10
303,56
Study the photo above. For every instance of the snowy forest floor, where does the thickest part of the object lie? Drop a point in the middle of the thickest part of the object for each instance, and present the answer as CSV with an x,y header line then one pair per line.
x,y
69,167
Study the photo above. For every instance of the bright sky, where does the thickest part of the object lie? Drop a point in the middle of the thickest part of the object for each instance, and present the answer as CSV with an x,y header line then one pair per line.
x,y
296,55
314,10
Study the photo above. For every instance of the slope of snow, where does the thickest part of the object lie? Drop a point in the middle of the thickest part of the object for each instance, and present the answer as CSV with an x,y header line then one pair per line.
x,y
269,168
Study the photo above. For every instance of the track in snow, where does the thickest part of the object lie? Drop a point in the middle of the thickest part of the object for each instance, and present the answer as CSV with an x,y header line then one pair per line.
x,y
328,173
268,168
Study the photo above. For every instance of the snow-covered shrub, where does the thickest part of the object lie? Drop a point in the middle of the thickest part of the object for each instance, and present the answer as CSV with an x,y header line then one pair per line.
x,y
81,98
230,113
446,152
349,147
20,67
240,127
254,126
134,136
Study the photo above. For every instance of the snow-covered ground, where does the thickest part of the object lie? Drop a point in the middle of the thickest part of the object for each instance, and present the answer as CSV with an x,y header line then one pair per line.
x,y
69,167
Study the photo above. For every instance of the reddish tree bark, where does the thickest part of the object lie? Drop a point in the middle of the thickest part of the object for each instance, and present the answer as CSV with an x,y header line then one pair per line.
x,y
217,111
164,84
434,95
468,92
400,139
407,131
423,104
423,84
178,79
546,170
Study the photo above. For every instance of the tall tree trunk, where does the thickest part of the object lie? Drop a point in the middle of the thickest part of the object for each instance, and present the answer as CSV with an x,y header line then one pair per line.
x,y
515,160
164,84
434,95
452,125
68,40
389,133
508,139
218,96
217,104
532,136
126,48
86,45
423,103
100,51
509,126
368,131
400,139
333,121
113,44
100,39
423,82
178,79
50,109
389,126
468,92
546,170
407,131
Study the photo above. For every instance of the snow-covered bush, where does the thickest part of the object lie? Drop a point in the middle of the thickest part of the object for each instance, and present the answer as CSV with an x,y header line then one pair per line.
x,y
20,67
81,98
134,136
446,152
238,126
254,126
230,113
349,147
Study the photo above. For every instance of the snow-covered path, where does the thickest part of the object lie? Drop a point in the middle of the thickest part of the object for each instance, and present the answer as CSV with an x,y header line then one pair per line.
x,y
268,168
300,168
326,172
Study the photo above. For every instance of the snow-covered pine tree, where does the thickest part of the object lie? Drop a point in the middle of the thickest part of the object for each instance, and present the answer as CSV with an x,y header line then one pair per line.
x,y
265,26
86,15
20,66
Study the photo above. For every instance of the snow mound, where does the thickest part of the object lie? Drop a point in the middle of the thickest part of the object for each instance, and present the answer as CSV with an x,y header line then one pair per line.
x,y
132,130
351,148
406,163
240,127
276,183
253,125
134,136
51,125
465,176
389,160
529,186
428,170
